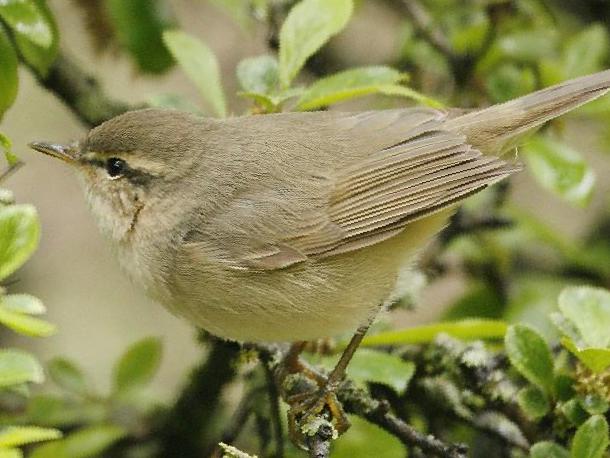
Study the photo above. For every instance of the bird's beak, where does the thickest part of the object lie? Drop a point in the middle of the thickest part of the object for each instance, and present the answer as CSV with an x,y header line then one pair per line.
x,y
63,152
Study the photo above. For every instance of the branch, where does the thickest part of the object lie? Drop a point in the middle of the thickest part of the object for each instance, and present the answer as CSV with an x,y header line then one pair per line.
x,y
359,402
81,92
319,443
181,431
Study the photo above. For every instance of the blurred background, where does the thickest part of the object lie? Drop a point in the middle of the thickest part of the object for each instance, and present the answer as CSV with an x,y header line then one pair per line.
x,y
508,48
97,310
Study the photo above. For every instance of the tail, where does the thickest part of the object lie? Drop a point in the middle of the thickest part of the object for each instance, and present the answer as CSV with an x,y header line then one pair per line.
x,y
496,129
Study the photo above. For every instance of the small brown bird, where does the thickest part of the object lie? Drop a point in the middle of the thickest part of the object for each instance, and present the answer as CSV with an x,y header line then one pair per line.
x,y
295,226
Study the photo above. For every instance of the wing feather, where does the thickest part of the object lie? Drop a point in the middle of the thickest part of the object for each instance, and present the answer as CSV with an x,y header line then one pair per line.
x,y
414,168
377,198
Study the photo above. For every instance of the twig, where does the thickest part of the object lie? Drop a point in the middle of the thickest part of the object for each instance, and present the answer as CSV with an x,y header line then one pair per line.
x,y
12,168
422,20
464,223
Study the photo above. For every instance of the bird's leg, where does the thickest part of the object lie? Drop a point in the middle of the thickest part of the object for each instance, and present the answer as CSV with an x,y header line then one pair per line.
x,y
321,398
293,364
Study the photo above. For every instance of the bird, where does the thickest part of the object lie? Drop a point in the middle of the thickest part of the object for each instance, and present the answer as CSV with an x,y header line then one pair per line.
x,y
291,227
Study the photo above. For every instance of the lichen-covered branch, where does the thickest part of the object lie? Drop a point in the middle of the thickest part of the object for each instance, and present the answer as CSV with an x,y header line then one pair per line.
x,y
359,402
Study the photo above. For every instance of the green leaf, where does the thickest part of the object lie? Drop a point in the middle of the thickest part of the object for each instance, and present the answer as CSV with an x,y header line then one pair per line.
x,y
200,64
563,387
19,235
480,300
547,449
574,412
11,158
271,103
15,436
10,453
532,298
468,329
566,327
348,84
469,31
258,74
68,376
585,52
559,169
526,46
40,58
173,101
505,427
9,80
596,359
509,81
263,101
584,322
530,354
59,412
594,404
309,25
87,442
395,90
533,402
379,367
23,303
139,25
591,438
25,324
138,365
368,440
18,367
589,309
25,18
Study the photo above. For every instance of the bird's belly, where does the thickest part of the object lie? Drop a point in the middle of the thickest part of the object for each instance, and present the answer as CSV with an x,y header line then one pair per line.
x,y
307,301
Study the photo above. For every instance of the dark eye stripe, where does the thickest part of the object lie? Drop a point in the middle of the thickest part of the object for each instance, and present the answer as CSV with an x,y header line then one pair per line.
x,y
135,176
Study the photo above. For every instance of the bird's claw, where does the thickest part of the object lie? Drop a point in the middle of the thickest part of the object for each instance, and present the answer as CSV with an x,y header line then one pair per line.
x,y
308,409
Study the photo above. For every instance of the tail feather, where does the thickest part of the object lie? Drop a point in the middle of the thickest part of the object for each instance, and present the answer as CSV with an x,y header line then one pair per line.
x,y
495,129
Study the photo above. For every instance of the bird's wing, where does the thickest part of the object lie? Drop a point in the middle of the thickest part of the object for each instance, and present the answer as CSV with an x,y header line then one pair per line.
x,y
372,199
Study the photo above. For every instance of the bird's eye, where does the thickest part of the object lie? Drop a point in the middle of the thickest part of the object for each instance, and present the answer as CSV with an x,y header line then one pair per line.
x,y
115,167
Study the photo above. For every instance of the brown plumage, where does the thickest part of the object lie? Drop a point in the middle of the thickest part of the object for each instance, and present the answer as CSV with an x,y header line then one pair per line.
x,y
294,226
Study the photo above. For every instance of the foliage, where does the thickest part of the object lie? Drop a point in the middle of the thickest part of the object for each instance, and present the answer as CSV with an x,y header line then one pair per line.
x,y
19,234
520,363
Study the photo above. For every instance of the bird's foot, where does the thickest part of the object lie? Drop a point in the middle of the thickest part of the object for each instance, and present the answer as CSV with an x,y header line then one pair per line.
x,y
312,398
313,410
